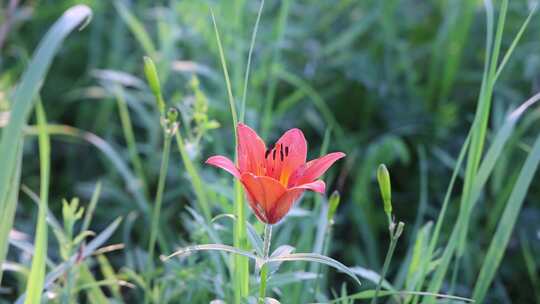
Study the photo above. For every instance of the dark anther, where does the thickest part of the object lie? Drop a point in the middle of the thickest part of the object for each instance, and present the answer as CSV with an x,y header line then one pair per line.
x,y
267,153
287,151
274,154
281,154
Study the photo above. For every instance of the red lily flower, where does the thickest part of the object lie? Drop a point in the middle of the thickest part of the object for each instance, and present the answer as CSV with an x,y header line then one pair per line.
x,y
274,179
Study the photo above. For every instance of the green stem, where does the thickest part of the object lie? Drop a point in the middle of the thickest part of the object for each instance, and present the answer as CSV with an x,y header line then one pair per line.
x,y
67,289
264,270
70,277
393,241
157,208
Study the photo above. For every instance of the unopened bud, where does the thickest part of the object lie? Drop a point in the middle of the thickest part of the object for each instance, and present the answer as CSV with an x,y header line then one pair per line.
x,y
383,177
172,114
153,81
333,204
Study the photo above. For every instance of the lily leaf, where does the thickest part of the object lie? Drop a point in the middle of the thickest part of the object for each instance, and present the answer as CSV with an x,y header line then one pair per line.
x,y
313,257
255,239
372,276
211,247
280,251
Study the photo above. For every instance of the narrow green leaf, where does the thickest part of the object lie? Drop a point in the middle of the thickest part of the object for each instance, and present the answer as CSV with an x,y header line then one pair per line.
x,y
8,214
506,224
317,258
36,279
136,28
23,101
109,274
248,65
241,271
95,294
108,151
211,247
91,207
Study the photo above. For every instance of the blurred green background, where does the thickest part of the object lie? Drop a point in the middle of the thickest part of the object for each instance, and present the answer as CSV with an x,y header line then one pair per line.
x,y
392,82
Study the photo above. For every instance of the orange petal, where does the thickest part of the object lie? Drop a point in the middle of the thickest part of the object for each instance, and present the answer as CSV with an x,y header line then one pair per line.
x,y
288,154
251,150
284,204
264,192
223,163
316,186
287,200
314,169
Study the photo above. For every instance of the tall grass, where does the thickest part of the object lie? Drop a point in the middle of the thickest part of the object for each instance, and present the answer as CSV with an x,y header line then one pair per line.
x,y
22,103
386,82
37,272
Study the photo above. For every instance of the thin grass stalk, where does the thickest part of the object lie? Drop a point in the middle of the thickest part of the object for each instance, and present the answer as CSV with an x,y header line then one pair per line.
x,y
129,136
248,65
8,214
264,269
480,127
241,269
470,170
157,209
440,220
506,224
36,279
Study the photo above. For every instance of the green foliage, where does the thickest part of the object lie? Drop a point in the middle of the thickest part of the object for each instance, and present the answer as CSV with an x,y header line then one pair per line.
x,y
428,88
23,101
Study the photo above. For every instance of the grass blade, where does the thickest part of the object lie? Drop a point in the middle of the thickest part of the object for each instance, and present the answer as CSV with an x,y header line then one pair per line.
x,y
248,65
486,167
241,271
91,207
36,279
8,214
136,28
506,224
23,101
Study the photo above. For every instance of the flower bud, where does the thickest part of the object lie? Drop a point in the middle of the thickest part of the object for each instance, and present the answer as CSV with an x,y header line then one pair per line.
x,y
170,121
383,177
172,114
153,81
333,203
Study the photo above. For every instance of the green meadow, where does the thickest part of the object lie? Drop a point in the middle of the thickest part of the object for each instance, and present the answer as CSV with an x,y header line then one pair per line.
x,y
269,151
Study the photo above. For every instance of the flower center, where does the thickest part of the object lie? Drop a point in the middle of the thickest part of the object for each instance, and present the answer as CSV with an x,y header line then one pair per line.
x,y
276,165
